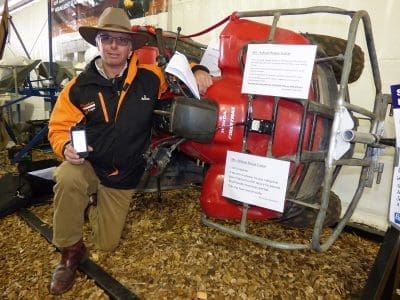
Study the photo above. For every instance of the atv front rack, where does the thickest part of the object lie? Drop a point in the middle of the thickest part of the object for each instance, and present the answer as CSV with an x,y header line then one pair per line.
x,y
371,140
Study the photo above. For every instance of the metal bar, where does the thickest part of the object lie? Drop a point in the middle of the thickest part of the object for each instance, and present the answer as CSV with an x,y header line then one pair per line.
x,y
356,162
371,49
51,67
339,57
271,139
15,76
30,145
319,222
295,11
249,116
312,132
349,212
19,37
10,131
359,137
321,109
307,156
103,279
273,28
316,107
9,103
316,238
315,206
296,187
301,133
252,238
306,164
358,109
243,222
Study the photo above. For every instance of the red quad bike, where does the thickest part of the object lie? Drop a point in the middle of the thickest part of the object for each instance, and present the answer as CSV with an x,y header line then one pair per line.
x,y
306,132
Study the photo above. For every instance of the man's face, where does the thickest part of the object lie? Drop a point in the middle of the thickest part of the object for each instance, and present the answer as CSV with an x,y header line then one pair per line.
x,y
115,47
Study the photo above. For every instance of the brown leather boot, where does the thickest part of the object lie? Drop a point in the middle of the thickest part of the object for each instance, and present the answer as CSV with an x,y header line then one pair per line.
x,y
64,274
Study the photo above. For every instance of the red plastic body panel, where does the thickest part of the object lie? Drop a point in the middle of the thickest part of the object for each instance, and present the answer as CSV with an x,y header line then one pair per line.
x,y
232,112
214,205
240,32
226,91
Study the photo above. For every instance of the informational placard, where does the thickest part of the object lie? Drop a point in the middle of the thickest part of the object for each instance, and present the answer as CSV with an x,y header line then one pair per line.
x,y
394,207
279,70
256,180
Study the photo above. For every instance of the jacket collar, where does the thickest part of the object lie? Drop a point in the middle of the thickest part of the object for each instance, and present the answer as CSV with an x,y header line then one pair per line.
x,y
99,66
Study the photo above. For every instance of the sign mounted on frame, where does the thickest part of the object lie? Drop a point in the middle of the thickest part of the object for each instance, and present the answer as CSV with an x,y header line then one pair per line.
x,y
279,70
256,180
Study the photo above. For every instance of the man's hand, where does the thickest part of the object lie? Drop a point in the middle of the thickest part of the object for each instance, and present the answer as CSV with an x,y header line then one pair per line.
x,y
72,156
203,80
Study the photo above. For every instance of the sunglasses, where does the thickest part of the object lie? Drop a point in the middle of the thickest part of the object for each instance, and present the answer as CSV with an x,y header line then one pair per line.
x,y
106,39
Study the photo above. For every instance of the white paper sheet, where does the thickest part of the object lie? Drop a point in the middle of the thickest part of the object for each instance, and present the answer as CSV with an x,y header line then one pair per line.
x,y
179,67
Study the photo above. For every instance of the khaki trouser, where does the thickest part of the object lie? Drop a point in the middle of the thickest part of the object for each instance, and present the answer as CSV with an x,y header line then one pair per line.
x,y
74,185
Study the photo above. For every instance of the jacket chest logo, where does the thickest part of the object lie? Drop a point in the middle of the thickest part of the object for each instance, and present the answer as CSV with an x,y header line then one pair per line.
x,y
88,107
145,98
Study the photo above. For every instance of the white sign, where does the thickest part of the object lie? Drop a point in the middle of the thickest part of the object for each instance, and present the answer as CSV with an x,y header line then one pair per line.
x,y
279,70
394,207
256,180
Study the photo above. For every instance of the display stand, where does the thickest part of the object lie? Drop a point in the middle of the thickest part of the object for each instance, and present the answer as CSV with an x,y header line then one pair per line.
x,y
384,277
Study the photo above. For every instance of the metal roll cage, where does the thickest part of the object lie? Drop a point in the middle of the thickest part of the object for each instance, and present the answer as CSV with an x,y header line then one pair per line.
x,y
372,140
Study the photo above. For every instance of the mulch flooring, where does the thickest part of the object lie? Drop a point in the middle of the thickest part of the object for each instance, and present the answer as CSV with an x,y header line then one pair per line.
x,y
167,253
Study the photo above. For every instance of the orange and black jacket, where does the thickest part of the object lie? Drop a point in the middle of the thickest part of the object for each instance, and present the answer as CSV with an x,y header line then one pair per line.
x,y
117,115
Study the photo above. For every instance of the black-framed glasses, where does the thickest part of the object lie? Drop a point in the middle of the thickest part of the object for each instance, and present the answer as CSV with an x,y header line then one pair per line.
x,y
106,39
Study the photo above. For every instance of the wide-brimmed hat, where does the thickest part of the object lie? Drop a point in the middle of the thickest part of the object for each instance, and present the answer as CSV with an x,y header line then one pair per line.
x,y
115,20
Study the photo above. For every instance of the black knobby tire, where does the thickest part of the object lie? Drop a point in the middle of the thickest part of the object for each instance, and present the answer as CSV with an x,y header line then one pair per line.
x,y
304,217
333,46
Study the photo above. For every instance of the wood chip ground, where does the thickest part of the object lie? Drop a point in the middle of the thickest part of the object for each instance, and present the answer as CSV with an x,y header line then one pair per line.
x,y
167,253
